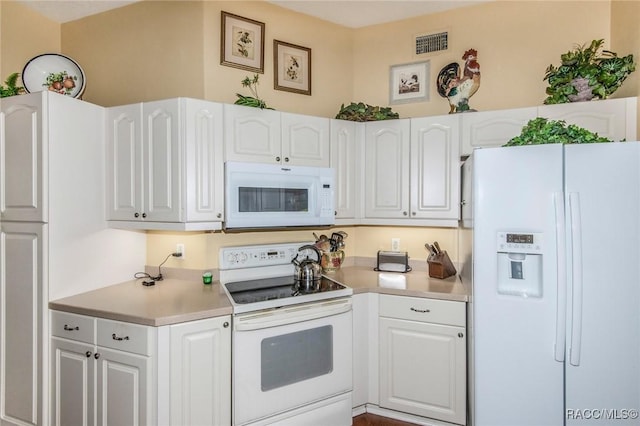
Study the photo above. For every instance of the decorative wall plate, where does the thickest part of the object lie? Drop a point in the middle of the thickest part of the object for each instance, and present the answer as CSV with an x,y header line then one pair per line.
x,y
55,72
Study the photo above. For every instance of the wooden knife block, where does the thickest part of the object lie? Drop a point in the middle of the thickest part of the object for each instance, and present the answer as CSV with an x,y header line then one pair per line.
x,y
440,266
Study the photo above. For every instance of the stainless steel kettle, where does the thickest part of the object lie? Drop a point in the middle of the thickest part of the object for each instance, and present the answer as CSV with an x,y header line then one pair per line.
x,y
308,272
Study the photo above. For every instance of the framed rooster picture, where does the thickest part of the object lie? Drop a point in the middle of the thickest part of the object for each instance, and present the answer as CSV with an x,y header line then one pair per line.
x,y
409,83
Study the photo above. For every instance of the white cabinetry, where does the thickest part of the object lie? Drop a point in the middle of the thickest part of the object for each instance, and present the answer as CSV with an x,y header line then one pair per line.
x,y
105,362
346,155
412,172
165,165
54,239
267,136
365,350
423,357
614,119
492,128
200,372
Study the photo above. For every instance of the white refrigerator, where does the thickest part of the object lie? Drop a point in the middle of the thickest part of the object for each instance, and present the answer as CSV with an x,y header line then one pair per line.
x,y
555,305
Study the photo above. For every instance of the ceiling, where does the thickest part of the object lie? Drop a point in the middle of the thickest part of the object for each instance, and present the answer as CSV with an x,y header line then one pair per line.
x,y
349,13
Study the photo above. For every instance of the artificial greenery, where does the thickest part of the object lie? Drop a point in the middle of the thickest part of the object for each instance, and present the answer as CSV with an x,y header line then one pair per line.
x,y
252,101
542,131
602,69
11,89
365,112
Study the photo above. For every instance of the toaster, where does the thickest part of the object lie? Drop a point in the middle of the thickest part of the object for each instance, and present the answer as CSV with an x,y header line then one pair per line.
x,y
393,261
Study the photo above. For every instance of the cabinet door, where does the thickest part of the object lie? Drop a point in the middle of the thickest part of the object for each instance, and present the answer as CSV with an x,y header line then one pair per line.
x,y
435,168
614,119
305,140
21,159
492,128
423,369
23,295
387,169
346,160
205,164
201,371
72,383
162,165
251,134
124,162
124,389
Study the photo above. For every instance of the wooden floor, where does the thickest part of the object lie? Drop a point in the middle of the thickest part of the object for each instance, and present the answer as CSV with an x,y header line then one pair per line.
x,y
369,419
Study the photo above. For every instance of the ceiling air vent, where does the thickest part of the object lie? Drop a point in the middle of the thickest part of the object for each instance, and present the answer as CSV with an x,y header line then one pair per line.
x,y
432,43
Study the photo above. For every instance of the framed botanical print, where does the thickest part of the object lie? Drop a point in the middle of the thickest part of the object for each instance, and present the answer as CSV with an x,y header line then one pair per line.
x,y
242,43
409,83
292,67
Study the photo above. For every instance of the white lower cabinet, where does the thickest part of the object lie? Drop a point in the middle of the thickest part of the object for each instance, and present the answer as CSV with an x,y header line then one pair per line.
x,y
95,381
422,368
107,372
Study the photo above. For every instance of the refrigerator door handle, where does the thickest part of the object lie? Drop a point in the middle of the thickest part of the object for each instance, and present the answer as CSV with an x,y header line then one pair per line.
x,y
561,308
576,272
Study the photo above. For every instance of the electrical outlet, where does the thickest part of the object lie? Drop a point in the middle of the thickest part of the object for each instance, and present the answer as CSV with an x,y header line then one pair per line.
x,y
395,244
180,249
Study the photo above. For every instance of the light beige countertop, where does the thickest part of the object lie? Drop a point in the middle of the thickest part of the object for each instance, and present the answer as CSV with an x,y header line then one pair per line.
x,y
173,300
169,301
417,283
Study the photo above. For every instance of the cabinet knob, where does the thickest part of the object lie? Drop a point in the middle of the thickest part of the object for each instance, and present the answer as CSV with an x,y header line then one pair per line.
x,y
278,159
97,355
136,215
404,213
226,324
219,215
413,213
461,335
88,354
144,215
463,202
286,159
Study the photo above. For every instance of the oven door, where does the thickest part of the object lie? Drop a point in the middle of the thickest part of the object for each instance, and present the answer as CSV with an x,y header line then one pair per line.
x,y
291,357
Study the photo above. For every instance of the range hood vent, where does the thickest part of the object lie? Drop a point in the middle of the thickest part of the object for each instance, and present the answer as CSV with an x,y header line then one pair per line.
x,y
432,43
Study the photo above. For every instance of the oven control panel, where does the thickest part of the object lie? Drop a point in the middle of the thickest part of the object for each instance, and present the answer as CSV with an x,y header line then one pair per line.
x,y
260,255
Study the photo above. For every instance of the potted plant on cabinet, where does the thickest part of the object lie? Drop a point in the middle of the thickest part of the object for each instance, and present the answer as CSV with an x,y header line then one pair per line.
x,y
586,73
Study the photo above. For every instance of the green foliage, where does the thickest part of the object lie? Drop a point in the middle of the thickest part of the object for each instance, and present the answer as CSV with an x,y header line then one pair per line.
x,y
251,101
604,70
365,112
11,89
542,131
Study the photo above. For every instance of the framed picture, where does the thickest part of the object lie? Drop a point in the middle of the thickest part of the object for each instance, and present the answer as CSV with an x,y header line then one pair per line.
x,y
409,83
242,43
292,68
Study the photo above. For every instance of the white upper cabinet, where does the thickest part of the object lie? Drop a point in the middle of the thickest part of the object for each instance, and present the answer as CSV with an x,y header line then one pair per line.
x,y
346,154
435,168
614,119
386,183
492,128
267,136
412,172
165,165
22,152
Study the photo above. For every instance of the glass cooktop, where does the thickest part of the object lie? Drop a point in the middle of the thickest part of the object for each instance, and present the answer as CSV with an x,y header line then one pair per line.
x,y
265,289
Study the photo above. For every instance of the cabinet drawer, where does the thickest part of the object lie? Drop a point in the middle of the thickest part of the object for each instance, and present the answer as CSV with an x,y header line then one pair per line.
x,y
424,310
73,326
127,337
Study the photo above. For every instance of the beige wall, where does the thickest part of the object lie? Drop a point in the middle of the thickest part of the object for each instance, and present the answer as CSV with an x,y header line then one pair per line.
x,y
23,35
161,49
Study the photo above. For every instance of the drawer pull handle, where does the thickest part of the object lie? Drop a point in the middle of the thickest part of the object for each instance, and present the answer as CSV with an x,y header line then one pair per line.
x,y
114,337
67,328
422,311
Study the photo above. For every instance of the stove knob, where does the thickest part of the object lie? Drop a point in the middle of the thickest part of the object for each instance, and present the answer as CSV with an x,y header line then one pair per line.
x,y
231,258
243,257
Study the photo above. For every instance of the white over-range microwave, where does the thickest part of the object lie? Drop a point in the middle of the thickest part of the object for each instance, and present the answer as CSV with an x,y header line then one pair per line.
x,y
275,196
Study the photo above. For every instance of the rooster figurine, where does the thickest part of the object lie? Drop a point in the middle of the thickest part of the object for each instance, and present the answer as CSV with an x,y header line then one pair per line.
x,y
458,89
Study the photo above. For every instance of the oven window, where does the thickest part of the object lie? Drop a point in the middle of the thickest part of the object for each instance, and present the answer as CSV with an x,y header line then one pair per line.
x,y
254,199
294,357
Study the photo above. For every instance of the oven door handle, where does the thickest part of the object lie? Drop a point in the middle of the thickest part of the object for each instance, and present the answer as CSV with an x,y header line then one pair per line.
x,y
290,315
